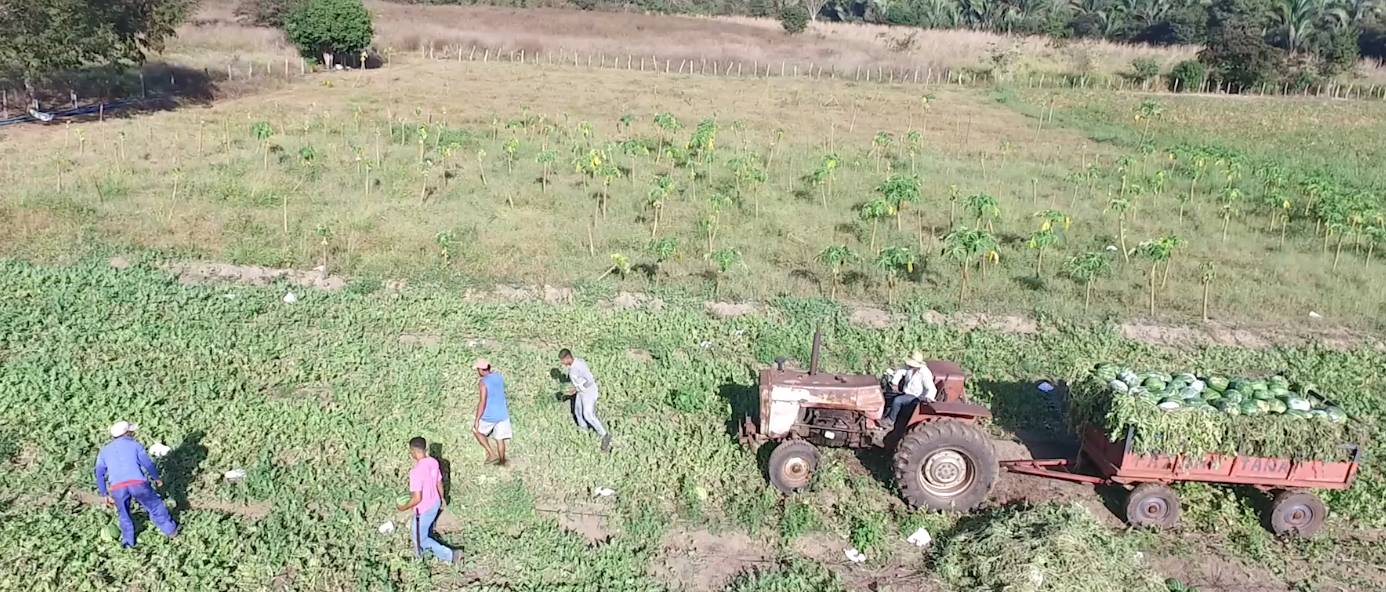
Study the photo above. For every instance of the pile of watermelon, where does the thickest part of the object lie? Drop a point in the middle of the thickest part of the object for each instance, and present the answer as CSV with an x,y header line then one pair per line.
x,y
1233,396
1192,414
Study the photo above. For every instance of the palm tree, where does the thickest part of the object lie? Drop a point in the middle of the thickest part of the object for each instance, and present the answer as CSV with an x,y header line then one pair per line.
x,y
963,245
1207,273
894,261
836,257
1087,268
1157,251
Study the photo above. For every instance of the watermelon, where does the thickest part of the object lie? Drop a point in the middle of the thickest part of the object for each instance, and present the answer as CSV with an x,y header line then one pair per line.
x,y
1319,414
1189,393
1259,385
403,499
1185,376
1128,377
1171,403
1298,403
110,533
1238,384
1118,386
1250,408
1297,414
1335,414
1232,395
1231,408
1217,383
1198,385
1277,405
1278,382
1154,383
1106,372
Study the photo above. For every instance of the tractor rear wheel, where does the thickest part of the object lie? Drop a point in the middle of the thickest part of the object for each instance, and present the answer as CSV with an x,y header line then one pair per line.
x,y
792,464
945,465
1296,513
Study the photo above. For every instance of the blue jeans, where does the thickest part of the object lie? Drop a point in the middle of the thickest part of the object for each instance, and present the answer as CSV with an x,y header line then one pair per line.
x,y
898,403
423,535
152,503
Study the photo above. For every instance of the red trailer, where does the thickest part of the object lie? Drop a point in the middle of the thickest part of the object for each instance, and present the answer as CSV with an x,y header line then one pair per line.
x,y
1294,509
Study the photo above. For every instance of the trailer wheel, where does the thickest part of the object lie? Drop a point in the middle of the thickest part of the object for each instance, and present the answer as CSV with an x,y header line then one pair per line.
x,y
945,465
1297,513
1153,505
792,464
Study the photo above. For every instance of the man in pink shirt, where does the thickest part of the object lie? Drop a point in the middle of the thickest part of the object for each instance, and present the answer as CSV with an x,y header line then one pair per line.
x,y
426,500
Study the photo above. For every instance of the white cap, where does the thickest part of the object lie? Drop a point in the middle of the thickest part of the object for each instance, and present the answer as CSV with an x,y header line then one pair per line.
x,y
123,427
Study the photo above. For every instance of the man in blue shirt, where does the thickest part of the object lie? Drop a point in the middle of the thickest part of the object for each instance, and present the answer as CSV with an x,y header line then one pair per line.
x,y
124,472
492,414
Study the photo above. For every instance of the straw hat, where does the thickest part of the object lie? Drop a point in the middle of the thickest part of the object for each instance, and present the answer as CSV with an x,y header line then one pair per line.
x,y
916,360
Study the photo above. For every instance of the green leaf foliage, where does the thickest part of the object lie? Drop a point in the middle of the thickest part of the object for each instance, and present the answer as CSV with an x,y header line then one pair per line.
x,y
337,27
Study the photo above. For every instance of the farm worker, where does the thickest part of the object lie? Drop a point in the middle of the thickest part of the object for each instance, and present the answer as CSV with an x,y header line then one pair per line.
x,y
915,382
426,500
584,393
492,414
123,472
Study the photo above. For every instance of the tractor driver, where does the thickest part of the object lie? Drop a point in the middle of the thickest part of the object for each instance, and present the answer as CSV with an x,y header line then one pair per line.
x,y
913,383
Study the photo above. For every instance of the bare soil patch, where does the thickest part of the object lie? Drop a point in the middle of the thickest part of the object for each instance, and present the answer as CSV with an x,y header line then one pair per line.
x,y
583,518
421,339
250,510
701,560
733,309
873,318
1213,573
200,273
898,566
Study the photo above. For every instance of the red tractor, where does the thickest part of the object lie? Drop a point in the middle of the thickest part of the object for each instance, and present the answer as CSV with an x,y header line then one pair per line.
x,y
943,460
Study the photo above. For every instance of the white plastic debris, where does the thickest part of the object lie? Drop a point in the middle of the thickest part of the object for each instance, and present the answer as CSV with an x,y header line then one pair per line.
x,y
1036,576
1111,247
230,296
387,528
602,492
471,344
235,475
1139,555
1044,386
705,344
40,115
159,450
920,538
319,269
290,298
740,332
854,556
1314,315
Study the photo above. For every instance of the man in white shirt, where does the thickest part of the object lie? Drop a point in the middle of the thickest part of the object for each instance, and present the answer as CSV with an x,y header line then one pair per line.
x,y
584,394
915,382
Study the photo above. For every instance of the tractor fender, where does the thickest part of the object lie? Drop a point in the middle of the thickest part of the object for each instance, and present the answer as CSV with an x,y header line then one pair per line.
x,y
952,409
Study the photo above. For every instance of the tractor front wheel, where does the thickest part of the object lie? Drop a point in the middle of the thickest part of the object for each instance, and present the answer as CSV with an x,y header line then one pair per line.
x,y
945,465
792,464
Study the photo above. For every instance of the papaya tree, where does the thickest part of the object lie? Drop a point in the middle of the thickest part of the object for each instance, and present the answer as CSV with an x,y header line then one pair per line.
x,y
1039,241
1230,196
822,176
1174,242
894,262
663,189
1148,112
1120,206
1086,268
746,170
898,191
262,132
913,141
983,207
620,266
661,250
1157,251
511,150
1207,274
1051,219
879,145
667,126
835,257
965,245
545,159
723,262
872,211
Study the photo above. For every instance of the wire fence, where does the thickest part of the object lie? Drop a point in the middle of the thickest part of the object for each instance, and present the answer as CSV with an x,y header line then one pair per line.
x,y
163,82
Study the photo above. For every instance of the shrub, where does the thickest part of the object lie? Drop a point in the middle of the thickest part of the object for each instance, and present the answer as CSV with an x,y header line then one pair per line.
x,y
1337,50
323,28
1187,76
266,13
794,19
1144,69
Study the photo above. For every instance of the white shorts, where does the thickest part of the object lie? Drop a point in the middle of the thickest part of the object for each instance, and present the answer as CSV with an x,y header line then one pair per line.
x,y
499,430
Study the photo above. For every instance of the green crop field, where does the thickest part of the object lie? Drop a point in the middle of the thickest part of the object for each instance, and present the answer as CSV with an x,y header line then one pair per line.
x,y
733,189
315,400
439,194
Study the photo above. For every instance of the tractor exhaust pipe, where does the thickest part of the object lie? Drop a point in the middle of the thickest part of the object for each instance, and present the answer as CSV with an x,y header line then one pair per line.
x,y
817,343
